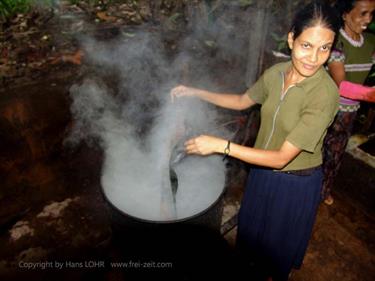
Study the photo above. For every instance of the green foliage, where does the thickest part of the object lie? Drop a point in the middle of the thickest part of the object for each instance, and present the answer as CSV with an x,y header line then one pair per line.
x,y
91,2
9,8
173,18
245,3
281,41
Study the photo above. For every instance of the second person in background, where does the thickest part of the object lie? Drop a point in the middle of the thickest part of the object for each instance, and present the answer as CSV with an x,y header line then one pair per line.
x,y
349,65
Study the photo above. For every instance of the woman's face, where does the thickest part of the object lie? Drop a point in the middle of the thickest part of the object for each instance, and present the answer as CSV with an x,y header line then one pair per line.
x,y
311,49
357,20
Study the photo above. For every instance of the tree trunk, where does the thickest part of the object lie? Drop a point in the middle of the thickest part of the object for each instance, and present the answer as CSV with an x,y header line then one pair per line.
x,y
257,40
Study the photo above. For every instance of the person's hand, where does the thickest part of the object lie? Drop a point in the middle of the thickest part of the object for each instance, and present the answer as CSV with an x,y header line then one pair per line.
x,y
204,145
181,91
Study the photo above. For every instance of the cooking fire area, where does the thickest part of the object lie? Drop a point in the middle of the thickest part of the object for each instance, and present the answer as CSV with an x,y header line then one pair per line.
x,y
96,180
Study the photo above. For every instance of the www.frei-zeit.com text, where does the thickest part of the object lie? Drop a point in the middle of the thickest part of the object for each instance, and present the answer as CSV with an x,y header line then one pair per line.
x,y
131,264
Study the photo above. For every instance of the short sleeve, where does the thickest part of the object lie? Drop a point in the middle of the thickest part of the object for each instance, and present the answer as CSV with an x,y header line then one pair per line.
x,y
336,56
257,91
315,119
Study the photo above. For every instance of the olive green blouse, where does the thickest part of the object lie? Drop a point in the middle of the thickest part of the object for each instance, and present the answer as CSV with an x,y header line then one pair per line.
x,y
301,116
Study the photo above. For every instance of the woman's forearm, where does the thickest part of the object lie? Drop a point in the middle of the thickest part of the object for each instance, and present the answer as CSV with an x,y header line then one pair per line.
x,y
231,101
276,159
356,91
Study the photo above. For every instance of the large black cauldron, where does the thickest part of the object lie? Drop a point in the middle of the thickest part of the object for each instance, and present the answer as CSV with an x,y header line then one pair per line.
x,y
183,249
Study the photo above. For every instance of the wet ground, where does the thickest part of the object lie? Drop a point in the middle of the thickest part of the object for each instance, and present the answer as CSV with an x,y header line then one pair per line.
x,y
52,211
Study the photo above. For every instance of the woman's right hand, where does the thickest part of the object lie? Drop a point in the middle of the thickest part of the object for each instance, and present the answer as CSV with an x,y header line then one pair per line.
x,y
181,91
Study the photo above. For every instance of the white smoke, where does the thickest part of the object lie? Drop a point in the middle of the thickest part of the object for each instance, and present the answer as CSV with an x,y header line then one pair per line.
x,y
138,127
135,175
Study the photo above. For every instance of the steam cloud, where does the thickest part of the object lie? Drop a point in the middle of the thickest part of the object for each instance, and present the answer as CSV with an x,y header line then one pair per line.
x,y
137,126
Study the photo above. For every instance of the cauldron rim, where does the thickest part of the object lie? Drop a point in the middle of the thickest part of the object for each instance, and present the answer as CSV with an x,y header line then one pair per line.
x,y
165,221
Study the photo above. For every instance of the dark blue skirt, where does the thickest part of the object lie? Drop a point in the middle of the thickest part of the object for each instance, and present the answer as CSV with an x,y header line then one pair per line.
x,y
276,218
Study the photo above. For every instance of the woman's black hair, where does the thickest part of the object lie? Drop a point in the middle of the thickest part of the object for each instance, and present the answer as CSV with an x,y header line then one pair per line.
x,y
312,14
343,7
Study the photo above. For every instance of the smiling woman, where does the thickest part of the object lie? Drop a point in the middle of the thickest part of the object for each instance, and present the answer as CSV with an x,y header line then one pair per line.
x,y
299,101
349,65
311,50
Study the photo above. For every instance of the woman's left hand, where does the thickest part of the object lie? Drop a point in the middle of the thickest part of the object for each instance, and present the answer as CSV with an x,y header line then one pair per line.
x,y
204,145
